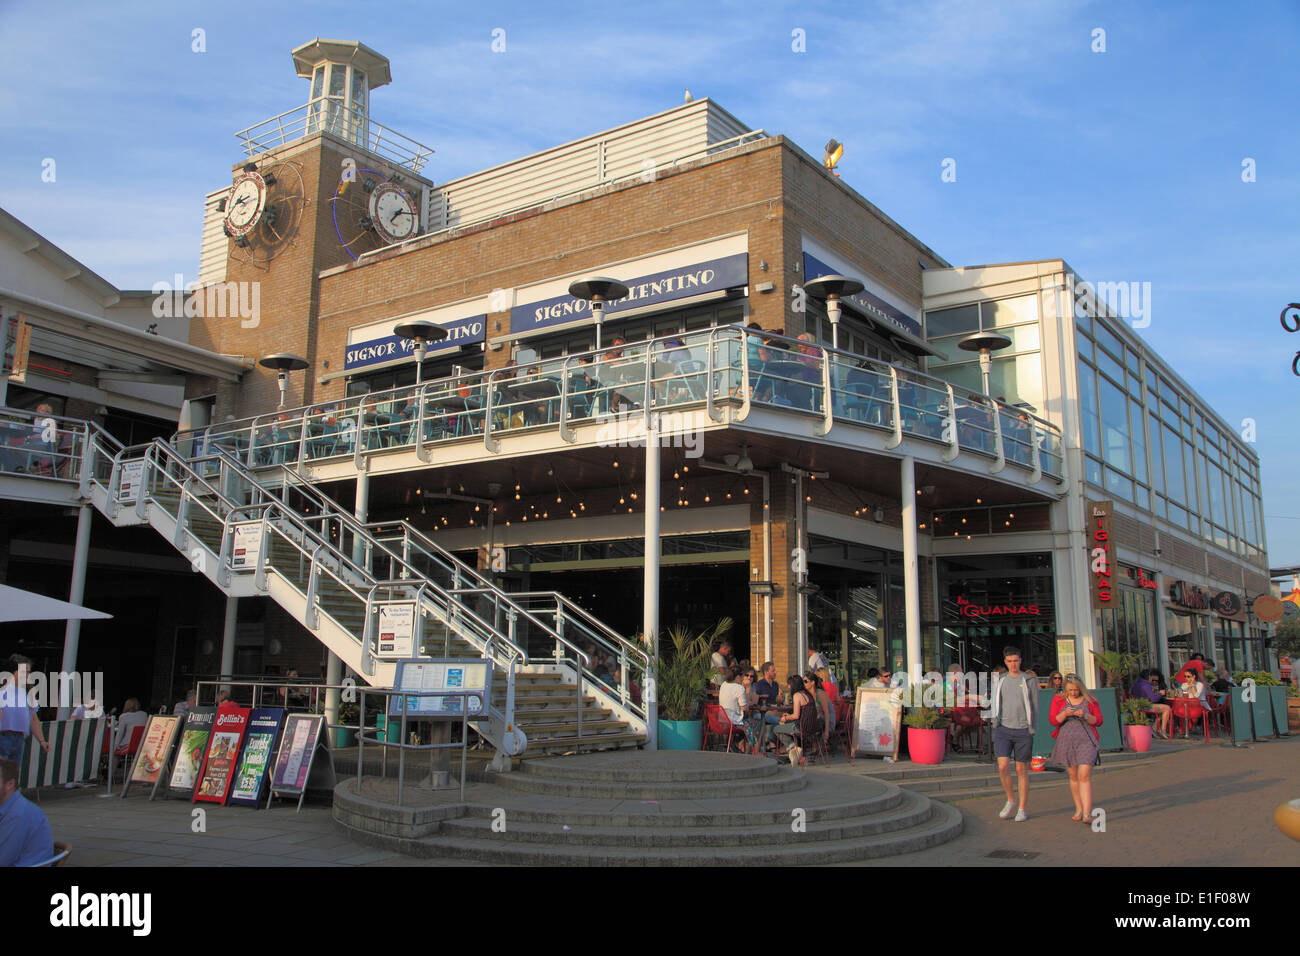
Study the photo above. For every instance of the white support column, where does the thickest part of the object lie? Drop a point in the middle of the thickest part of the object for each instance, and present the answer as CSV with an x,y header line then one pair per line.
x,y
333,675
76,594
911,579
228,636
650,622
362,510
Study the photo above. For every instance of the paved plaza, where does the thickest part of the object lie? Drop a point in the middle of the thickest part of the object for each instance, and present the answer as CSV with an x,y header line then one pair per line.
x,y
1199,805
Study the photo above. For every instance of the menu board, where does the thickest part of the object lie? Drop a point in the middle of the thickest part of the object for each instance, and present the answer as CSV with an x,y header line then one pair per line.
x,y
247,545
448,676
255,760
877,715
223,752
155,748
297,747
189,756
397,629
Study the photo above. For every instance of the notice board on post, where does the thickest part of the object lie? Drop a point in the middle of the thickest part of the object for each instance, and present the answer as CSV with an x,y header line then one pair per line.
x,y
155,751
442,681
877,720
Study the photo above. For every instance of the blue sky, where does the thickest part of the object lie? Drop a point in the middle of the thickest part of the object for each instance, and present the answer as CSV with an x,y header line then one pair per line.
x,y
1127,163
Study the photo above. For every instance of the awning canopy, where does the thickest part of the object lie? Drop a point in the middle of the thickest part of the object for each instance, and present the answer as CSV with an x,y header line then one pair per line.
x,y
19,605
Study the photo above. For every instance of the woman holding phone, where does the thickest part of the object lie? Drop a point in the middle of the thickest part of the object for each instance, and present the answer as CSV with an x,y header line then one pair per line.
x,y
1074,717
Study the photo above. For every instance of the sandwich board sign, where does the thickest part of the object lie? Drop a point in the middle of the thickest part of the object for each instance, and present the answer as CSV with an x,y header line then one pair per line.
x,y
255,761
297,767
189,756
223,753
154,754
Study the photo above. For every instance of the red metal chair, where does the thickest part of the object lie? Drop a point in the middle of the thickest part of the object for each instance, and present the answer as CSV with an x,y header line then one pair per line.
x,y
844,725
128,750
968,719
1190,712
718,725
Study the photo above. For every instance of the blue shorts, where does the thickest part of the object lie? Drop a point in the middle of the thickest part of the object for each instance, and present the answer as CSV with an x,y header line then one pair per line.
x,y
1015,744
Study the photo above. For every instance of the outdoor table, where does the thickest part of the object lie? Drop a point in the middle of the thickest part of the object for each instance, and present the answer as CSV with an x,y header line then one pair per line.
x,y
789,374
450,402
533,389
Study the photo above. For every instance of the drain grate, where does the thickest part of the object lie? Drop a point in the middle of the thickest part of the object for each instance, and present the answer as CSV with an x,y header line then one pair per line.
x,y
1014,854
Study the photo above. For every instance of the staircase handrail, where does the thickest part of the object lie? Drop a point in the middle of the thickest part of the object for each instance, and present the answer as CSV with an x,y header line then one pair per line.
x,y
330,509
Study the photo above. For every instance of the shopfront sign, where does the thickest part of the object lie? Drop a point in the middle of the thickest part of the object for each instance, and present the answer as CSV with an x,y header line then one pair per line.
x,y
1141,578
1188,596
1227,604
1101,553
968,609
873,305
680,283
469,330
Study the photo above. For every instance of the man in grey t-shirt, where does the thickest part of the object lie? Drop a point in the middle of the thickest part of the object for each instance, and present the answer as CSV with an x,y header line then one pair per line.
x,y
1015,706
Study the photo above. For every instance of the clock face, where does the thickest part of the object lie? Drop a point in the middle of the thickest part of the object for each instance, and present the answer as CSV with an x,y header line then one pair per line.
x,y
393,213
245,205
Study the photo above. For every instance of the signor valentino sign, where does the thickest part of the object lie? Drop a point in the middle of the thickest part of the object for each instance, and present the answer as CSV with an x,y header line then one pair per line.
x,y
1101,550
967,609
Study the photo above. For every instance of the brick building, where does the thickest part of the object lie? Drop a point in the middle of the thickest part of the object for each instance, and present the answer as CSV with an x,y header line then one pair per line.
x,y
831,472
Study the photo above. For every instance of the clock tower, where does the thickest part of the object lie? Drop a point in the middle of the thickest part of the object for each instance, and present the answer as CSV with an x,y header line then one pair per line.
x,y
319,187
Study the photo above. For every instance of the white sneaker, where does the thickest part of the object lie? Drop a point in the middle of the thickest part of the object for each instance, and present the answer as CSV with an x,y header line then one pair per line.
x,y
1021,816
1006,810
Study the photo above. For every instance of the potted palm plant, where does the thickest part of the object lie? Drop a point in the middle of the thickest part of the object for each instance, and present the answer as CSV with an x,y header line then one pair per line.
x,y
1137,725
1116,666
685,667
927,732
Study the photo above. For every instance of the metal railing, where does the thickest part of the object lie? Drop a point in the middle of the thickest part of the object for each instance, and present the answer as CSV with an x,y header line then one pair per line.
x,y
350,124
218,489
41,445
722,366
403,745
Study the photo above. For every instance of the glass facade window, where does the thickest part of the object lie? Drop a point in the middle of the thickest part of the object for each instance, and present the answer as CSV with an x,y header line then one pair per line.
x,y
1114,426
1017,373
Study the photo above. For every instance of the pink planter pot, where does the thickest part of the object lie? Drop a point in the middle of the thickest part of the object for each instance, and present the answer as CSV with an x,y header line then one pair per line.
x,y
1138,738
926,746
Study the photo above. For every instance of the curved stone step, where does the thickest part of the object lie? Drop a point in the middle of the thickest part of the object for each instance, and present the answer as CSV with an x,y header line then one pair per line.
x,y
911,810
941,823
785,780
672,767
757,812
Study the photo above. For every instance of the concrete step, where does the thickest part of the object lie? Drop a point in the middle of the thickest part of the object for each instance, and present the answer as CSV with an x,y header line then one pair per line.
x,y
942,823
911,810
564,746
785,780
734,767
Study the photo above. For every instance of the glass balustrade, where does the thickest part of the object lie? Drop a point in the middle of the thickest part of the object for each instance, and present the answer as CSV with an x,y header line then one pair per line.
x,y
722,366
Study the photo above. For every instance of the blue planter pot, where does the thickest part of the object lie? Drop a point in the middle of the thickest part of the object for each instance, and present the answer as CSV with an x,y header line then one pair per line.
x,y
679,735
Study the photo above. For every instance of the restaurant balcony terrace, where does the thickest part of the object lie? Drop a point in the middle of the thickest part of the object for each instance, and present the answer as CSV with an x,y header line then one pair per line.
x,y
692,388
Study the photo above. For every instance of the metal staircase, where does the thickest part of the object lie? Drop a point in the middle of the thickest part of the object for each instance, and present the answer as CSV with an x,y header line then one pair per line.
x,y
273,533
